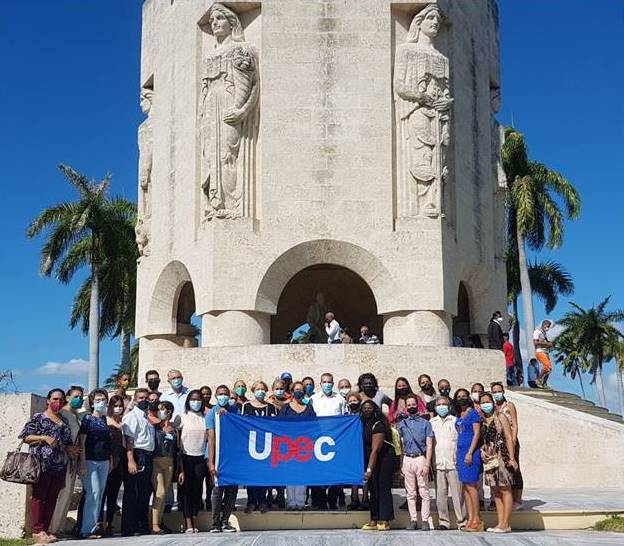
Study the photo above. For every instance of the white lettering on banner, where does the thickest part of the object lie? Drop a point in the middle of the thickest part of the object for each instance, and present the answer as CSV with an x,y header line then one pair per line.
x,y
252,446
318,449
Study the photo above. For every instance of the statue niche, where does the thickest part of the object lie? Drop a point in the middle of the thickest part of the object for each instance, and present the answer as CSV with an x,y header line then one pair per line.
x,y
228,119
423,105
146,151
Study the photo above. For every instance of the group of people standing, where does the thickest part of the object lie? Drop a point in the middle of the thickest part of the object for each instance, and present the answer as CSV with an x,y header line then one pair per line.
x,y
152,439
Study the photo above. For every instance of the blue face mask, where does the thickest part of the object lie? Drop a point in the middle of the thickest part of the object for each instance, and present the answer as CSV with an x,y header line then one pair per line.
x,y
327,387
309,389
442,411
279,393
176,383
499,396
223,399
195,405
76,402
487,407
299,395
100,406
306,400
260,394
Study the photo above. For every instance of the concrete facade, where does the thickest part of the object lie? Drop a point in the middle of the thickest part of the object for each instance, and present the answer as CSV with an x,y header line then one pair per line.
x,y
324,182
15,512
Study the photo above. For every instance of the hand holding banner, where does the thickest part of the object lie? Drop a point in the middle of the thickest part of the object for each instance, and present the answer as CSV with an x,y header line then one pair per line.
x,y
278,452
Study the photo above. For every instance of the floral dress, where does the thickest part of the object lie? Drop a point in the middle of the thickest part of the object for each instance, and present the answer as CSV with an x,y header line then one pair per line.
x,y
52,459
495,446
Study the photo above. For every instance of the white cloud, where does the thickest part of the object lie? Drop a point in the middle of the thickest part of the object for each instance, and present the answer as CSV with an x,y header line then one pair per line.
x,y
74,367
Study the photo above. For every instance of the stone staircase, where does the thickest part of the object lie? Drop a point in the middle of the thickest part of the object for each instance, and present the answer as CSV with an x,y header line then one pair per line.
x,y
568,400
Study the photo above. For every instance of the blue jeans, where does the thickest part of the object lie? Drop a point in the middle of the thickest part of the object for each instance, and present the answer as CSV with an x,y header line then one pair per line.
x,y
511,376
94,484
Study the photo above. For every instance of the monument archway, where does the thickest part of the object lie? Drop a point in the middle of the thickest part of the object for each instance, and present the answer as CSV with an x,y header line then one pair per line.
x,y
321,288
461,321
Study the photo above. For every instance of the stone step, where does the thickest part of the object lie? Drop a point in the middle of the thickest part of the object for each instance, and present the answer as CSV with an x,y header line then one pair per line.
x,y
544,393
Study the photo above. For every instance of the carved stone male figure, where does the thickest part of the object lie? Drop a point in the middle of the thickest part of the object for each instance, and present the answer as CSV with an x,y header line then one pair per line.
x,y
146,151
230,89
423,102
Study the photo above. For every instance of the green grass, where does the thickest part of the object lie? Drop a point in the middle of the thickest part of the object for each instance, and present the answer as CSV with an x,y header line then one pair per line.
x,y
613,523
16,541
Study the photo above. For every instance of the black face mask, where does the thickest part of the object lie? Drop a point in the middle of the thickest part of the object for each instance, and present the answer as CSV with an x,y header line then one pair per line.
x,y
462,402
412,410
367,417
143,405
427,388
369,390
153,384
403,391
445,391
354,407
153,406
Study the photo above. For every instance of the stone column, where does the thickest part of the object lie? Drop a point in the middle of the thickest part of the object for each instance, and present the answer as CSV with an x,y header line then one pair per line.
x,y
233,328
431,328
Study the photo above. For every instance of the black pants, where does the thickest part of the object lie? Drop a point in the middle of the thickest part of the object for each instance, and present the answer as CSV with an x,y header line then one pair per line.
x,y
223,500
209,485
194,474
113,485
137,492
324,497
380,487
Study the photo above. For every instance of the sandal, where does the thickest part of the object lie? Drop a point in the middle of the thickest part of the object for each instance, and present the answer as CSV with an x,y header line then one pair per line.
x,y
370,526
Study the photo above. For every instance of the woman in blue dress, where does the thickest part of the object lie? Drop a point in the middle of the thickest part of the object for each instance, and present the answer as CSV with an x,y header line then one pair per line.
x,y
468,426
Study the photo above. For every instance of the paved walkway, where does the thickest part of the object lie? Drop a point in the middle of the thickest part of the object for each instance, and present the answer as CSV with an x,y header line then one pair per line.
x,y
356,538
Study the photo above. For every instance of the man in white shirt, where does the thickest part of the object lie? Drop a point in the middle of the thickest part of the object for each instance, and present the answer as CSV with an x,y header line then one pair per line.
x,y
443,425
177,394
327,403
542,348
138,435
332,328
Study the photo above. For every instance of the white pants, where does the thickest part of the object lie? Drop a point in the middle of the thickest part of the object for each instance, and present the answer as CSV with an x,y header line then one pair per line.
x,y
57,525
296,495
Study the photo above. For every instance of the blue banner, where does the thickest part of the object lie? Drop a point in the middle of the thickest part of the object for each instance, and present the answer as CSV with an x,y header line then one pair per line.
x,y
276,452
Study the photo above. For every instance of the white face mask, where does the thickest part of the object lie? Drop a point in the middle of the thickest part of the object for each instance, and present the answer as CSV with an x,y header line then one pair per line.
x,y
117,410
499,320
344,391
475,396
162,415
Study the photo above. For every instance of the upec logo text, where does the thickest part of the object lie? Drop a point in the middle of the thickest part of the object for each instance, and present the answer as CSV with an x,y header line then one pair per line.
x,y
285,448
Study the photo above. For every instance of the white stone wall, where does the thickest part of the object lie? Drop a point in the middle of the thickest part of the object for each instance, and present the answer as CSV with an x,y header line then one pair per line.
x,y
15,512
325,170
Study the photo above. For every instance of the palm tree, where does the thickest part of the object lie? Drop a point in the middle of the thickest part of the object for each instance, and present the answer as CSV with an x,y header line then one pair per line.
x,y
593,332
534,215
82,233
574,362
617,352
548,279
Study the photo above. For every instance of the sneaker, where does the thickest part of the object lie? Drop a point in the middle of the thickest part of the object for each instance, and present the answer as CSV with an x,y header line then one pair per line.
x,y
215,529
227,528
413,526
424,526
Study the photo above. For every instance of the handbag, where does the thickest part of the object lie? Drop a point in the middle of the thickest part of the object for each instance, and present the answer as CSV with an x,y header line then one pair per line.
x,y
490,460
21,467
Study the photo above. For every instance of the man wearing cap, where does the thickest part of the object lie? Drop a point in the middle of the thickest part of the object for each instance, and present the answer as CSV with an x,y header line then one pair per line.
x,y
286,377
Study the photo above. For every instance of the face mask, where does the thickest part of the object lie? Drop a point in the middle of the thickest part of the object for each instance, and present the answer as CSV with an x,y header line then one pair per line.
x,y
100,406
232,402
195,405
153,384
153,406
499,396
327,387
143,405
240,391
487,407
76,402
176,383
306,400
475,396
354,407
344,391
55,406
442,411
412,410
163,415
299,395
223,399
427,388
367,416
463,402
279,393
309,389
445,391
499,320
403,391
369,390
260,394
117,410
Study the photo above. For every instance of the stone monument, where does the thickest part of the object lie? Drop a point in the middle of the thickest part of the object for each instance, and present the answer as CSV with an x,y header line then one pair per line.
x,y
326,149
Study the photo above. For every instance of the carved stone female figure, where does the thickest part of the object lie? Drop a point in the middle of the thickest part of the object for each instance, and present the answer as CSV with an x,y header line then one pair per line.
x,y
228,120
423,101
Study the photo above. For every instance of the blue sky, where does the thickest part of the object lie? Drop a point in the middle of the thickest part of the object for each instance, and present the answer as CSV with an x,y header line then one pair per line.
x,y
70,94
